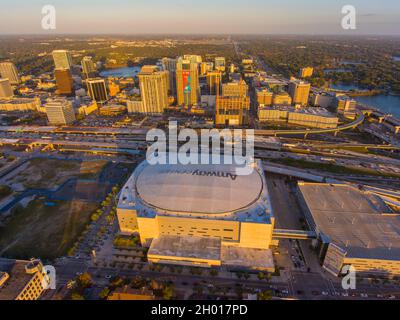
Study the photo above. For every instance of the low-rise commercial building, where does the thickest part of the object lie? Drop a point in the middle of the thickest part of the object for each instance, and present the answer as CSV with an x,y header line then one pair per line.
x,y
354,227
21,104
307,117
264,96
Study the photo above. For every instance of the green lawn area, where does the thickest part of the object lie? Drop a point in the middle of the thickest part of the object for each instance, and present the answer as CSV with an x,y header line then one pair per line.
x,y
332,168
44,231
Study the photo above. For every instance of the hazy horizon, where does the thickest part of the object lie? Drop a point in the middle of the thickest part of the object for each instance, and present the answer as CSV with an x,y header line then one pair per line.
x,y
219,17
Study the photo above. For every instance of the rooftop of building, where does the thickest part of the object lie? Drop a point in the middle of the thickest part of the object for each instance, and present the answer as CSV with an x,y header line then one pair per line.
x,y
212,249
148,69
318,111
212,191
127,293
18,278
188,247
300,82
358,221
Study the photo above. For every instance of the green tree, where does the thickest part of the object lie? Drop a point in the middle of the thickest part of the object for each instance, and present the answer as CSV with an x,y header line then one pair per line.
x,y
77,296
104,293
265,295
84,280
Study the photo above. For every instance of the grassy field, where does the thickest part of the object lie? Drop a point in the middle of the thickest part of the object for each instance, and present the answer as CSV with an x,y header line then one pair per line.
x,y
45,231
48,173
332,168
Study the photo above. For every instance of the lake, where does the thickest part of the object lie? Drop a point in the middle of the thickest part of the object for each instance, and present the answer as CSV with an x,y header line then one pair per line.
x,y
340,70
344,87
397,59
385,103
125,72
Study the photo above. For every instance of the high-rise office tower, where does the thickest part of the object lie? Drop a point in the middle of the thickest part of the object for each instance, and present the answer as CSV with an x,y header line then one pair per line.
x,y
88,66
63,80
97,90
9,70
214,82
60,112
6,90
153,89
169,64
235,89
232,110
62,59
206,67
187,82
193,58
299,91
220,63
306,72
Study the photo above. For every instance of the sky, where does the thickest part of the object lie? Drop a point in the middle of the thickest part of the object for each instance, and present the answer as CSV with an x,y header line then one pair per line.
x,y
200,17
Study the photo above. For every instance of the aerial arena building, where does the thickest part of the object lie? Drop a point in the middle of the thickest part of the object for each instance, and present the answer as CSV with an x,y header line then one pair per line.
x,y
199,215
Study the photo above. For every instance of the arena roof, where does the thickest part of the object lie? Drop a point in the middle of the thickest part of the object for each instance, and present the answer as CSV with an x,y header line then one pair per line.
x,y
201,190
198,188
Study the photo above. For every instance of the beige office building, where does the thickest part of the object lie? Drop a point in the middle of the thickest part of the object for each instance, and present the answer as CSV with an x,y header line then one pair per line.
x,y
281,99
9,71
21,280
60,112
232,111
62,59
88,66
187,82
264,96
206,67
193,58
6,90
306,72
235,89
219,63
299,91
199,215
154,89
346,106
214,79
